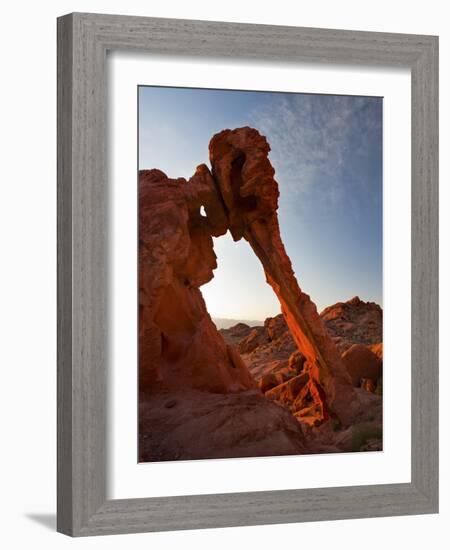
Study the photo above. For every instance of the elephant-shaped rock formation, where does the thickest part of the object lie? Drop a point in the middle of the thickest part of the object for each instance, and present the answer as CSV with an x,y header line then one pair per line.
x,y
180,349
245,179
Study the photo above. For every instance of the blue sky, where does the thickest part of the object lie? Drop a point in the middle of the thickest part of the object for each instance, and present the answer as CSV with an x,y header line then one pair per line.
x,y
327,155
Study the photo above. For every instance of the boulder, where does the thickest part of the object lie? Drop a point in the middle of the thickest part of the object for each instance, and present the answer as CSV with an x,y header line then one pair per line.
x,y
361,363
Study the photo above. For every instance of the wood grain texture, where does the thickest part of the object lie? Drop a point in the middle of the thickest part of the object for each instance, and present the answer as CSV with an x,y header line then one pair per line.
x,y
64,267
424,277
83,40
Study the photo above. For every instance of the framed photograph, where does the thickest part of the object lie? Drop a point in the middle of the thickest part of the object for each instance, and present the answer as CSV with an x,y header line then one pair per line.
x,y
247,274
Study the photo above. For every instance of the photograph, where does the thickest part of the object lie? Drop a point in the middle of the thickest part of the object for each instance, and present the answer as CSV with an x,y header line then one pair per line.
x,y
260,273
221,272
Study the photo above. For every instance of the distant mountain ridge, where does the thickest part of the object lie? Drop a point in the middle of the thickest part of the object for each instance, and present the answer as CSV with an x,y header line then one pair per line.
x,y
224,323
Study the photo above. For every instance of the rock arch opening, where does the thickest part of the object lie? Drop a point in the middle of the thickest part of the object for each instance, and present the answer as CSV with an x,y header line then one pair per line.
x,y
238,292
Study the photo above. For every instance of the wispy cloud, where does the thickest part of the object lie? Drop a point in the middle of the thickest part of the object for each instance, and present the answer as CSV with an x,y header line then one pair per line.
x,y
321,143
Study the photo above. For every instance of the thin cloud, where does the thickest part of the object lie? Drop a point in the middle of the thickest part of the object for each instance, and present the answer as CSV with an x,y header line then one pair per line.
x,y
320,143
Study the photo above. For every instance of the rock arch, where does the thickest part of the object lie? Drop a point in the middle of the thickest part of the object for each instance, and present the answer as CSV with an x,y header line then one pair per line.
x,y
179,345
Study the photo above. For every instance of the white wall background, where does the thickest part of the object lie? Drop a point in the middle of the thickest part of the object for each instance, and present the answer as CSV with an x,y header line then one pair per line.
x,y
28,272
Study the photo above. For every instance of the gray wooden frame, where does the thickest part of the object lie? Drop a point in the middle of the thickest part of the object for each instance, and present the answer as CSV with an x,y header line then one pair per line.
x,y
83,40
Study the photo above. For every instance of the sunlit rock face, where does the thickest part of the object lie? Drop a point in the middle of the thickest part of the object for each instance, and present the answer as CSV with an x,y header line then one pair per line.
x,y
245,179
198,398
270,349
179,346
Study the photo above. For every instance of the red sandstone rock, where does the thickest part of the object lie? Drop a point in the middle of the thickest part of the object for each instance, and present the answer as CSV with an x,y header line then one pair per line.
x,y
264,353
211,425
239,331
347,323
297,361
288,392
275,327
180,349
362,363
303,397
179,346
277,354
377,350
354,322
269,381
254,339
245,178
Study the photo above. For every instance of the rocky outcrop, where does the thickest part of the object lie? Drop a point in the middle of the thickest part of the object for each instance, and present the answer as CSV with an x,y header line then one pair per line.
x,y
255,337
347,323
377,349
354,322
269,381
262,350
245,179
275,361
363,366
186,425
179,346
198,398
